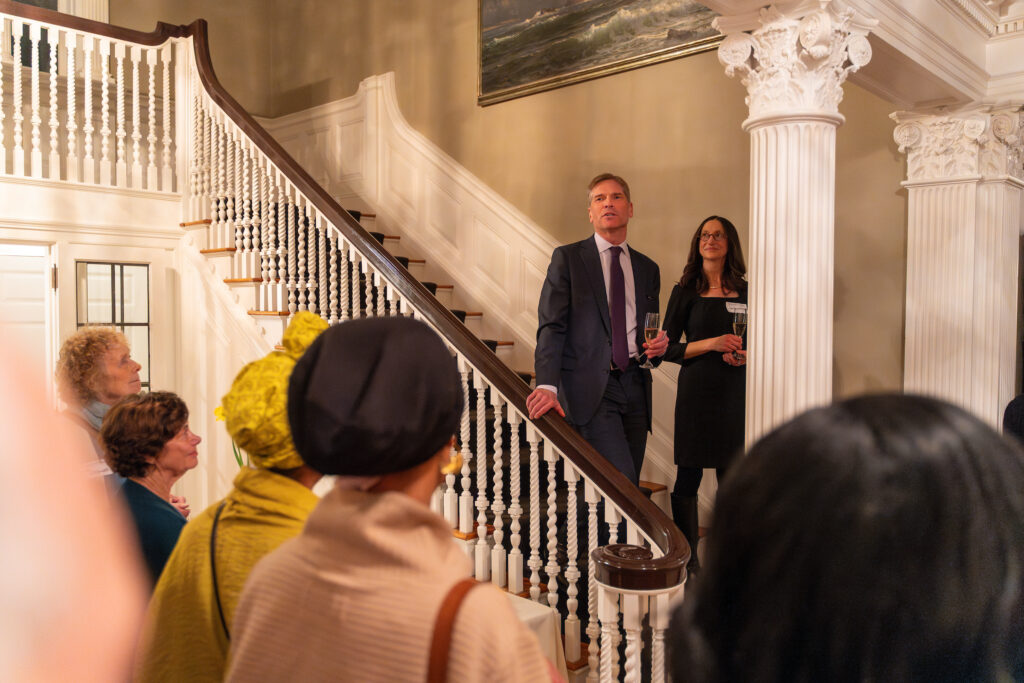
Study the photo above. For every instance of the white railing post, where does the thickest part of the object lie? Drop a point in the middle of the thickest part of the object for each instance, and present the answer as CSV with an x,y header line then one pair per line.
x,y
136,176
53,165
37,151
483,570
121,165
572,572
633,608
106,166
152,176
3,147
166,170
592,497
465,498
608,613
70,47
534,563
515,509
552,568
88,59
498,557
18,162
660,611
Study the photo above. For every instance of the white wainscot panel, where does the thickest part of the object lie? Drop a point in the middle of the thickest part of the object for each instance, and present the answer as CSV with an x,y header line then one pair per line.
x,y
493,256
348,149
443,213
530,284
400,183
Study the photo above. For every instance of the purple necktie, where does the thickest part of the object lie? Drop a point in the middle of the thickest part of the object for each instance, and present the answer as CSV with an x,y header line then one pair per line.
x,y
620,347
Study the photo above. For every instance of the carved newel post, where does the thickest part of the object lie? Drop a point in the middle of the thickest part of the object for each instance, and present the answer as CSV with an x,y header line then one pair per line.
x,y
793,58
965,185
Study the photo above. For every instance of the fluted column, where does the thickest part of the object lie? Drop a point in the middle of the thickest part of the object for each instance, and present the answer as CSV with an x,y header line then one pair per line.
x,y
793,58
965,187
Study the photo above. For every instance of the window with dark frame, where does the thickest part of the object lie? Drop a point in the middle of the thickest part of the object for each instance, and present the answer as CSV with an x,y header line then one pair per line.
x,y
117,295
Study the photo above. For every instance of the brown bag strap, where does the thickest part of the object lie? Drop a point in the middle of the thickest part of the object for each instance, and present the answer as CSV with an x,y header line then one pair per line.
x,y
437,671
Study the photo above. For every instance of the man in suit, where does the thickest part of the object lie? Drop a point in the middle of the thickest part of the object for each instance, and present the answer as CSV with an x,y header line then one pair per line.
x,y
590,336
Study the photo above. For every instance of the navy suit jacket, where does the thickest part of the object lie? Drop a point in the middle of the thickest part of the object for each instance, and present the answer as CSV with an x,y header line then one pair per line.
x,y
574,341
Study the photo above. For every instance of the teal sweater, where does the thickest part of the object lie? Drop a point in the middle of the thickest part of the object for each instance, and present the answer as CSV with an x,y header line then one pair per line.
x,y
157,522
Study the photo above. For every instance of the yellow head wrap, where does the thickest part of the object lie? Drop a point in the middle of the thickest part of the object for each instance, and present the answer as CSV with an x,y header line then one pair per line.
x,y
255,408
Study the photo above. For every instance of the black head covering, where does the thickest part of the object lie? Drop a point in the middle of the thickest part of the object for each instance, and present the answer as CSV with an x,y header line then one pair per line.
x,y
373,396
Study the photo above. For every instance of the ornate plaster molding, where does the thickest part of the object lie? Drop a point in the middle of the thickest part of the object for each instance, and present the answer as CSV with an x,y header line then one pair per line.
x,y
797,60
984,144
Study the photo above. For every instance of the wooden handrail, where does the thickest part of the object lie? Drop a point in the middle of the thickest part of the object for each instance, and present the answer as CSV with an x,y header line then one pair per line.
x,y
652,574
655,574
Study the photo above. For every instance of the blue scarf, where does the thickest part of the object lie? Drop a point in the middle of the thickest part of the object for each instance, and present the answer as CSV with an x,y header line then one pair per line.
x,y
94,413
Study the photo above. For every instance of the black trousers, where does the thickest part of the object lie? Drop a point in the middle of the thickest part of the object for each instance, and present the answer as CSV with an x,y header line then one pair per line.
x,y
618,430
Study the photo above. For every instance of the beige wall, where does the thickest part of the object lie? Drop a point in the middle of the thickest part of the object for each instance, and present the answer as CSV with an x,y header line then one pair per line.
x,y
673,130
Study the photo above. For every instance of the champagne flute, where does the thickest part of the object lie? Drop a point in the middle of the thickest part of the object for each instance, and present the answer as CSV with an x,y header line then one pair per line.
x,y
652,323
739,327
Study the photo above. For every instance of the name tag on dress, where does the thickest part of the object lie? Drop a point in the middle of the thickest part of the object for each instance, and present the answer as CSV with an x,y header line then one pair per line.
x,y
733,307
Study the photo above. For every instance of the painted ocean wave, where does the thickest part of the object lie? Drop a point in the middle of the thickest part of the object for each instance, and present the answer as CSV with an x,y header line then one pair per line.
x,y
556,42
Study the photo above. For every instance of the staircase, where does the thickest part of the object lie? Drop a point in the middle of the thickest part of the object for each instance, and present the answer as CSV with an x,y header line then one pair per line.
x,y
533,498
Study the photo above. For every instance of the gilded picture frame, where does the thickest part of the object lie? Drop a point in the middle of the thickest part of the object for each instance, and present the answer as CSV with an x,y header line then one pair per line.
x,y
529,46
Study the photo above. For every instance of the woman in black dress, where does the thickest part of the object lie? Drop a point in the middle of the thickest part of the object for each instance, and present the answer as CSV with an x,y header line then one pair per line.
x,y
712,377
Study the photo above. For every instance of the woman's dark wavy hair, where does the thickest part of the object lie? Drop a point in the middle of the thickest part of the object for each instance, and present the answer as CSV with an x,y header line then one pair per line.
x,y
879,539
735,267
138,427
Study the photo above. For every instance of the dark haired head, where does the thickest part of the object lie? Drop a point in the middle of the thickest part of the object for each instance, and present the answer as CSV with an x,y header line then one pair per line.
x,y
138,427
879,539
735,267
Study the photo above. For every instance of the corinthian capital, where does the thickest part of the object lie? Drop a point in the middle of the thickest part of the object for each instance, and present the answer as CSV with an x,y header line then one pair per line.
x,y
970,143
794,58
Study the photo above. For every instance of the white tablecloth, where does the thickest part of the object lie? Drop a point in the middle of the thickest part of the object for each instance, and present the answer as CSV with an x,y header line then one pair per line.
x,y
543,621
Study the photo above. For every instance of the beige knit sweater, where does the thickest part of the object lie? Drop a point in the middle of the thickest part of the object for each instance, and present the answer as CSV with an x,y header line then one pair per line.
x,y
355,596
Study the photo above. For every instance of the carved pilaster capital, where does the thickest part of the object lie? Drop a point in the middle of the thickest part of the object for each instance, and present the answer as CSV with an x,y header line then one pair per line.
x,y
978,143
796,60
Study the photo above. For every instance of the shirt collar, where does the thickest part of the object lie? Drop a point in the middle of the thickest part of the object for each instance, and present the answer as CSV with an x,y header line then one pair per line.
x,y
604,245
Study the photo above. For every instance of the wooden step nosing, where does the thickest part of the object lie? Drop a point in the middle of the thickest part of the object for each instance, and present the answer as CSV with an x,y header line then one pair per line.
x,y
196,224
242,280
218,250
278,314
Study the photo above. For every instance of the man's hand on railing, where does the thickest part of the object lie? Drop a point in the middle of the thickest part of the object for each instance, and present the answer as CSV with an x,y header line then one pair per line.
x,y
541,401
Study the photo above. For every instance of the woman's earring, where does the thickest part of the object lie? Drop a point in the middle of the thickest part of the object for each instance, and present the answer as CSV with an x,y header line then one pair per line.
x,y
454,464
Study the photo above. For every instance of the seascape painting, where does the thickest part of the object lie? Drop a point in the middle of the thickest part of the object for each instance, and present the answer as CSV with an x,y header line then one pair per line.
x,y
531,45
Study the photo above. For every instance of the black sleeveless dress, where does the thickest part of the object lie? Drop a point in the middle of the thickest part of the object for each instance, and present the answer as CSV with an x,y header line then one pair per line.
x,y
710,399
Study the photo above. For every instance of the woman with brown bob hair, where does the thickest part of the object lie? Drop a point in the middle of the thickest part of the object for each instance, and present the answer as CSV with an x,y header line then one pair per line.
x,y
712,378
148,441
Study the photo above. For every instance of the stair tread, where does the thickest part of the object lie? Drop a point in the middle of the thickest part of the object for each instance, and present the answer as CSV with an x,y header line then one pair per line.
x,y
273,313
192,224
238,280
653,486
218,250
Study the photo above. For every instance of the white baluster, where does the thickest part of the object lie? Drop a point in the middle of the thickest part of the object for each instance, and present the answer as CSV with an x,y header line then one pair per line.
x,y
344,281
88,162
37,150
121,165
354,282
498,556
612,518
465,498
659,618
166,172
290,244
208,170
593,497
535,563
195,206
53,167
515,510
18,163
136,56
152,175
245,159
572,572
106,166
300,233
217,200
608,612
235,198
379,284
633,608
14,69
551,568
483,571
266,221
312,269
332,245
281,232
367,291
70,47
322,275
